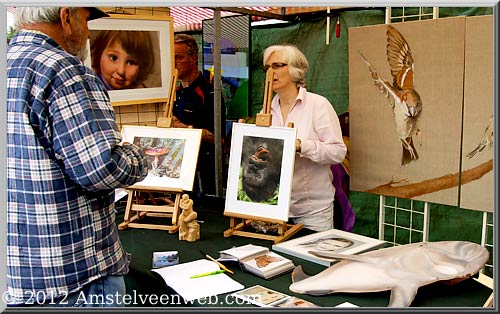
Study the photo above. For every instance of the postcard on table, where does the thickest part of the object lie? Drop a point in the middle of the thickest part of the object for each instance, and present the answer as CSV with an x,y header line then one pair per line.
x,y
261,296
333,241
178,277
296,302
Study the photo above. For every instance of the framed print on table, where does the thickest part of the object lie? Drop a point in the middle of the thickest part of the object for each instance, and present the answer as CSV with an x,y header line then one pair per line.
x,y
172,154
260,171
331,241
133,56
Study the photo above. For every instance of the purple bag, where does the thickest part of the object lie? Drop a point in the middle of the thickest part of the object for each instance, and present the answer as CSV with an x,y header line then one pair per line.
x,y
348,214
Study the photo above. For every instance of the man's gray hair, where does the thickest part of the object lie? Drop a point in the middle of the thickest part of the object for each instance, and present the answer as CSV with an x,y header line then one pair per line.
x,y
189,41
33,15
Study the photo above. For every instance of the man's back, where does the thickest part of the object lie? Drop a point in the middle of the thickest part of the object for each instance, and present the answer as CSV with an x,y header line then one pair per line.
x,y
62,167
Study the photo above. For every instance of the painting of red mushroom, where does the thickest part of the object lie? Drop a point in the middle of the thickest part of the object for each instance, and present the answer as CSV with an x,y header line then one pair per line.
x,y
171,153
164,155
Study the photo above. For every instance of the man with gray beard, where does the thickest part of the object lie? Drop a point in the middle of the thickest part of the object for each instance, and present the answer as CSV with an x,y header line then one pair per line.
x,y
64,161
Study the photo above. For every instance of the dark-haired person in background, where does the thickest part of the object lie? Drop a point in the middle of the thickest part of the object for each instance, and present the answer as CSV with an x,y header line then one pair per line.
x,y
194,106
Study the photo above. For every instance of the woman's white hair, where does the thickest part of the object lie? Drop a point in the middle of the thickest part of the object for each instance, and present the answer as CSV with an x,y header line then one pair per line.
x,y
33,15
294,58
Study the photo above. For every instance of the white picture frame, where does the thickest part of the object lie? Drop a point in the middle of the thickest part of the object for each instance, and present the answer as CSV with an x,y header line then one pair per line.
x,y
172,155
354,244
280,143
160,29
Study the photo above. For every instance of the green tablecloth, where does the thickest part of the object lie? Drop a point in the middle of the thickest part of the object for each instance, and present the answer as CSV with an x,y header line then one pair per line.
x,y
142,283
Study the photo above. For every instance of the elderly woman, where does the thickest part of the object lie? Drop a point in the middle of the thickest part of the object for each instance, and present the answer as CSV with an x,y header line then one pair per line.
x,y
319,137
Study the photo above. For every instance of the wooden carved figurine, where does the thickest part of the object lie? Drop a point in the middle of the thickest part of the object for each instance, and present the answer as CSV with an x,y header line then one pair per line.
x,y
189,229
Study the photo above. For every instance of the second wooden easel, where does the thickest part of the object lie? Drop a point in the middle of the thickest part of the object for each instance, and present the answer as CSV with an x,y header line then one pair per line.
x,y
240,224
170,210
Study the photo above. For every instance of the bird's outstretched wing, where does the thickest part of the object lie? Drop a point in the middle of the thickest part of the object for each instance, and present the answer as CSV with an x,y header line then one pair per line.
x,y
400,59
383,85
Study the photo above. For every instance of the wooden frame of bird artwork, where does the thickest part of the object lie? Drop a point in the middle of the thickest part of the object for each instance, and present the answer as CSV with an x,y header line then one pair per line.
x,y
260,172
172,155
145,44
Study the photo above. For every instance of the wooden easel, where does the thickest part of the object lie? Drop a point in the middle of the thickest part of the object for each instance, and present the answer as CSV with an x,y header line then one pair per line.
x,y
166,120
238,223
166,211
265,118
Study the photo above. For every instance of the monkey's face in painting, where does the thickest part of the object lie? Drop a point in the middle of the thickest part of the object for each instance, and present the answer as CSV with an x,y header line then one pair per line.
x,y
256,169
261,163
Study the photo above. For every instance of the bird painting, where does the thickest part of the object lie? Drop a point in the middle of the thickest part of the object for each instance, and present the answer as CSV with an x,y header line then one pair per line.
x,y
486,140
404,99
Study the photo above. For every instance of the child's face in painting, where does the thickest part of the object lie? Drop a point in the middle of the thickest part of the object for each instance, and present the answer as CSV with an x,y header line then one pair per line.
x,y
118,68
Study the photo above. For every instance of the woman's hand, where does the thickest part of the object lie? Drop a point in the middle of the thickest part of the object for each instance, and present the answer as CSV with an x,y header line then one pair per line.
x,y
298,145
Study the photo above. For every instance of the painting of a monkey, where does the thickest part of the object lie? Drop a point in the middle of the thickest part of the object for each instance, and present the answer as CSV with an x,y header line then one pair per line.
x,y
260,169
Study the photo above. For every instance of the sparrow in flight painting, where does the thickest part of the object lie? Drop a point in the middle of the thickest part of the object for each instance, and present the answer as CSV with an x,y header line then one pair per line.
x,y
404,99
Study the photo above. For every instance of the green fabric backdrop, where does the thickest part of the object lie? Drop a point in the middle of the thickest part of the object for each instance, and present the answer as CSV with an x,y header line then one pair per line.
x,y
328,73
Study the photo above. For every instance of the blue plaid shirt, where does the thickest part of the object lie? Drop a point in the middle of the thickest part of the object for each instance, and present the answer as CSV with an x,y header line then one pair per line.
x,y
63,164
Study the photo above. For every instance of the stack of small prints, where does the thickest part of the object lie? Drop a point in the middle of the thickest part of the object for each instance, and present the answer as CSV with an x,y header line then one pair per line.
x,y
265,297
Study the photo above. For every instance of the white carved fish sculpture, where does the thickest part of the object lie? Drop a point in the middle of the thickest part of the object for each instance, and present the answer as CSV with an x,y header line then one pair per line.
x,y
401,269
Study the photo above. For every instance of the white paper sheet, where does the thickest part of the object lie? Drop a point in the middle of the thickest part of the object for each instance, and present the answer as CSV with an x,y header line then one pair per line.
x,y
178,278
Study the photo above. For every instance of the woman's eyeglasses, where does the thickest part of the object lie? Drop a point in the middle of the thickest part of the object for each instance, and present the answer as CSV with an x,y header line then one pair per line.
x,y
274,65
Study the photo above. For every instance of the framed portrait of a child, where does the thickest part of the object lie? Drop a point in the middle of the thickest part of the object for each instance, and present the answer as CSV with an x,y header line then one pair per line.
x,y
133,57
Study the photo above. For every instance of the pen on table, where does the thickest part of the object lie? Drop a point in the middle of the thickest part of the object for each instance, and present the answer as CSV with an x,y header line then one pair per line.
x,y
218,263
208,273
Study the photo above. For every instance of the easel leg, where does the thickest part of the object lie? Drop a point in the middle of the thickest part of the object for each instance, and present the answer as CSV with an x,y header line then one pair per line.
x,y
126,218
175,214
